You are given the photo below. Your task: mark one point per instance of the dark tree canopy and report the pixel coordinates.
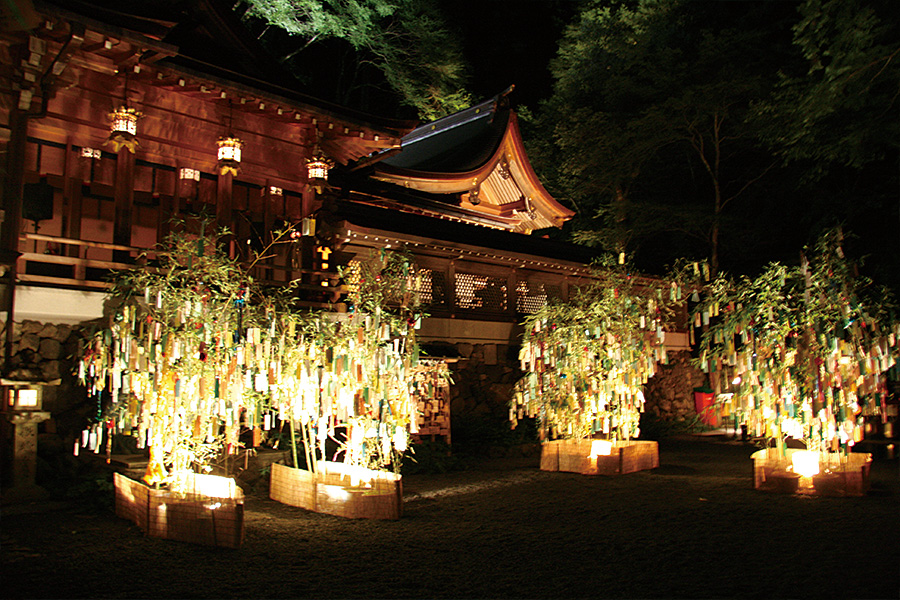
(653, 130)
(368, 55)
(844, 106)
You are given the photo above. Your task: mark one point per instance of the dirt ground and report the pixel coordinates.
(693, 528)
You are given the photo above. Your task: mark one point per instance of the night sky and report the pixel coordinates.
(510, 42)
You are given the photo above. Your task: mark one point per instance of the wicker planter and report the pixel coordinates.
(193, 516)
(574, 456)
(843, 476)
(331, 490)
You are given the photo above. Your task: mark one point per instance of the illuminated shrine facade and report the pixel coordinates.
(115, 125)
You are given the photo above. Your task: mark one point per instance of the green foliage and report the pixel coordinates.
(406, 40)
(587, 359)
(811, 345)
(647, 123)
(196, 354)
(842, 108)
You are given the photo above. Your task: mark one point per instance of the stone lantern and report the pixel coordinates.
(23, 409)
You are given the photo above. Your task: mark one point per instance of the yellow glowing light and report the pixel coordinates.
(805, 463)
(124, 120)
(230, 149)
(317, 167)
(335, 492)
(211, 486)
(24, 398)
(28, 398)
(601, 448)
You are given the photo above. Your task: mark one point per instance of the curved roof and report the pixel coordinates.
(477, 155)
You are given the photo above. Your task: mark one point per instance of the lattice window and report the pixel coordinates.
(430, 284)
(530, 297)
(352, 275)
(431, 288)
(480, 292)
(554, 292)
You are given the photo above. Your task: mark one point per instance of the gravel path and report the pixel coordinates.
(693, 528)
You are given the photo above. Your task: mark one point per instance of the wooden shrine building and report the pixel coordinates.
(224, 139)
(114, 122)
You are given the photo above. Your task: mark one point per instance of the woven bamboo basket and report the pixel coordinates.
(838, 475)
(192, 515)
(576, 456)
(339, 490)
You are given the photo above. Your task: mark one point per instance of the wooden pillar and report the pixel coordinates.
(10, 228)
(170, 208)
(72, 197)
(269, 225)
(124, 198)
(14, 179)
(224, 203)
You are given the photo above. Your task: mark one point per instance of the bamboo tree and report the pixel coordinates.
(805, 352)
(586, 360)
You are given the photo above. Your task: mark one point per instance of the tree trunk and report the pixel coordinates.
(620, 214)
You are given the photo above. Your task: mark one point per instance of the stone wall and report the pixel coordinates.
(484, 376)
(670, 393)
(46, 352)
(483, 379)
(41, 351)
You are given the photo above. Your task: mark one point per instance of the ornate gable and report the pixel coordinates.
(477, 157)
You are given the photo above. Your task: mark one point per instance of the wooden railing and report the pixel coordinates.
(66, 262)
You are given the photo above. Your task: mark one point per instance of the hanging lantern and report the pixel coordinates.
(123, 131)
(229, 154)
(317, 169)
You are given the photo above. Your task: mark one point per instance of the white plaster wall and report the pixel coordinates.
(53, 305)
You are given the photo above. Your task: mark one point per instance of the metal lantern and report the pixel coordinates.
(124, 120)
(229, 154)
(317, 169)
(230, 149)
(123, 130)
